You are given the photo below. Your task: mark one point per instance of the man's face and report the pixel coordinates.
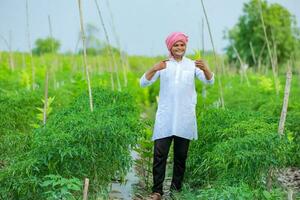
(178, 49)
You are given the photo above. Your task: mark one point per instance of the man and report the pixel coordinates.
(175, 116)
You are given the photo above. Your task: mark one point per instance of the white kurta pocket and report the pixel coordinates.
(188, 77)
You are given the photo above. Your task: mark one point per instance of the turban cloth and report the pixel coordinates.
(175, 37)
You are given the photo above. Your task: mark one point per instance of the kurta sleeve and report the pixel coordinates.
(201, 76)
(144, 82)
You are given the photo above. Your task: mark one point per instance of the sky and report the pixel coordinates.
(141, 26)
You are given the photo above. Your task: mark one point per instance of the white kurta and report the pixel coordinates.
(177, 99)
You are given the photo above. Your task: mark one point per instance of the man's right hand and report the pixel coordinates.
(157, 67)
(161, 65)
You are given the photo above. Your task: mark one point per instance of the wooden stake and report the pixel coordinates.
(9, 46)
(109, 46)
(260, 55)
(285, 100)
(11, 57)
(55, 60)
(29, 47)
(84, 56)
(122, 57)
(46, 98)
(269, 49)
(290, 194)
(253, 53)
(215, 56)
(203, 49)
(202, 36)
(23, 61)
(243, 70)
(86, 189)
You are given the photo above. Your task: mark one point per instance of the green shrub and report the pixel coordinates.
(57, 187)
(77, 143)
(225, 192)
(18, 113)
(236, 147)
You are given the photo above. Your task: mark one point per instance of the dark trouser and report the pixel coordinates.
(161, 150)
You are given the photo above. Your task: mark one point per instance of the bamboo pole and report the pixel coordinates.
(224, 66)
(9, 46)
(11, 58)
(269, 49)
(47, 78)
(203, 93)
(126, 62)
(202, 37)
(215, 57)
(50, 32)
(74, 63)
(124, 66)
(109, 63)
(23, 61)
(260, 55)
(275, 56)
(46, 98)
(122, 57)
(276, 59)
(29, 47)
(285, 100)
(109, 46)
(290, 194)
(86, 189)
(243, 70)
(84, 55)
(54, 63)
(253, 53)
(299, 75)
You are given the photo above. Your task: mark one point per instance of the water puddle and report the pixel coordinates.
(124, 191)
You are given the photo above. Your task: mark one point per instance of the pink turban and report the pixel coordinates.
(175, 37)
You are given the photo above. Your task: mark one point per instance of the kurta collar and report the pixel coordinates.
(173, 60)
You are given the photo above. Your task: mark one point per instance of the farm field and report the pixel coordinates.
(78, 125)
(237, 145)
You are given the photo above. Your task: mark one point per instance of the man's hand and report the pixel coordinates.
(161, 65)
(201, 64)
(157, 67)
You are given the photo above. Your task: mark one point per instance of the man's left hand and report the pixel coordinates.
(201, 64)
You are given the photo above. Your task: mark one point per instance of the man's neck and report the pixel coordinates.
(178, 58)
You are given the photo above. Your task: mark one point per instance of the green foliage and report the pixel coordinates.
(234, 147)
(77, 143)
(293, 125)
(144, 163)
(103, 50)
(8, 80)
(17, 113)
(281, 32)
(47, 45)
(40, 115)
(225, 192)
(197, 54)
(57, 187)
(234, 144)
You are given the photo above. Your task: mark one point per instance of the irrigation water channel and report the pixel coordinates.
(124, 191)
